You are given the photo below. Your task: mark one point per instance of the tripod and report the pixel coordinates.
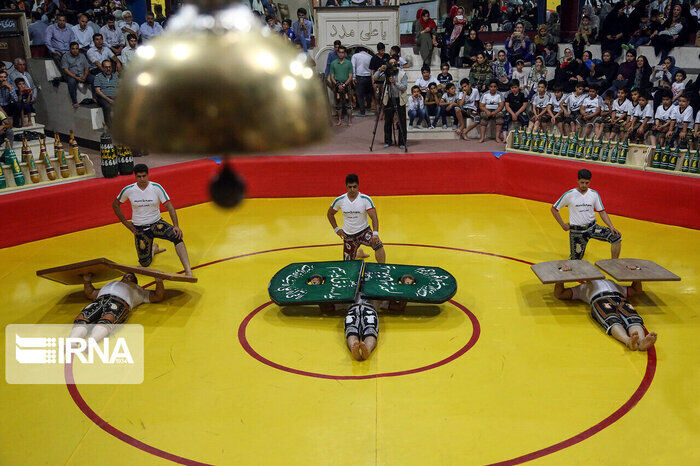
(380, 110)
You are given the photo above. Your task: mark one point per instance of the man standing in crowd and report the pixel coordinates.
(332, 56)
(394, 100)
(362, 78)
(58, 39)
(37, 30)
(76, 69)
(150, 28)
(379, 59)
(105, 89)
(341, 80)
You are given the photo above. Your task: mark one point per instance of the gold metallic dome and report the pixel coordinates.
(227, 87)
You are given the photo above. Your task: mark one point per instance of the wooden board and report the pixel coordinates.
(103, 270)
(550, 272)
(636, 269)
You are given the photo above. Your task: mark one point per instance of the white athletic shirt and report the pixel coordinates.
(573, 102)
(623, 108)
(354, 212)
(682, 117)
(491, 101)
(604, 107)
(587, 291)
(697, 119)
(643, 113)
(129, 292)
(540, 101)
(470, 100)
(423, 83)
(582, 207)
(557, 103)
(664, 114)
(590, 105)
(145, 204)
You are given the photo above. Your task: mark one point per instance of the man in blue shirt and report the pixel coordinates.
(303, 29)
(58, 39)
(333, 55)
(37, 30)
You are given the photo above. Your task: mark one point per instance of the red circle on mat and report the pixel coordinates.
(476, 331)
(614, 417)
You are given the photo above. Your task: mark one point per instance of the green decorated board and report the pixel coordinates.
(433, 284)
(341, 282)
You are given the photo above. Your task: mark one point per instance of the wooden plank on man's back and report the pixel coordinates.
(551, 272)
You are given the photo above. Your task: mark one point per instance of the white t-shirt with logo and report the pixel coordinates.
(145, 205)
(573, 102)
(643, 113)
(540, 101)
(557, 103)
(623, 108)
(590, 105)
(129, 292)
(587, 291)
(582, 207)
(685, 116)
(354, 212)
(470, 100)
(664, 114)
(491, 101)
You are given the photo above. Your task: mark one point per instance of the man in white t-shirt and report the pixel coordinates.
(356, 207)
(112, 304)
(583, 203)
(610, 308)
(146, 222)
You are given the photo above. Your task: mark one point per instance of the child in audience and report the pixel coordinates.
(634, 97)
(590, 111)
(432, 103)
(678, 86)
(450, 100)
(642, 118)
(603, 125)
(287, 32)
(396, 52)
(415, 107)
(24, 95)
(682, 122)
(491, 106)
(488, 52)
(520, 75)
(444, 77)
(572, 107)
(541, 103)
(556, 108)
(469, 101)
(425, 80)
(663, 118)
(622, 110)
(516, 108)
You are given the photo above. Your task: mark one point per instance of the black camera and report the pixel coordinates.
(391, 70)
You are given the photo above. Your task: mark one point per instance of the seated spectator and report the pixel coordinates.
(105, 88)
(569, 72)
(150, 28)
(488, 51)
(83, 33)
(593, 21)
(424, 29)
(20, 71)
(415, 107)
(583, 37)
(626, 71)
(426, 79)
(521, 76)
(444, 77)
(472, 46)
(664, 74)
(604, 73)
(672, 33)
(492, 14)
(433, 107)
(614, 31)
(287, 31)
(272, 23)
(6, 127)
(641, 35)
(98, 53)
(130, 50)
(58, 39)
(303, 29)
(76, 69)
(450, 103)
(454, 35)
(8, 99)
(481, 73)
(518, 48)
(502, 71)
(26, 108)
(538, 73)
(113, 37)
(128, 25)
(641, 79)
(37, 30)
(546, 46)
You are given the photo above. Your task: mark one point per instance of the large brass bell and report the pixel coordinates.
(219, 83)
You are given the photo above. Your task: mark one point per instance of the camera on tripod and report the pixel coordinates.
(391, 70)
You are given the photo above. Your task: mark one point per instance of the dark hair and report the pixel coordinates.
(584, 174)
(403, 277)
(682, 72)
(342, 47)
(665, 93)
(268, 18)
(624, 89)
(425, 68)
(632, 51)
(654, 12)
(644, 94)
(301, 11)
(579, 84)
(335, 42)
(464, 81)
(432, 85)
(131, 36)
(352, 178)
(445, 65)
(381, 46)
(557, 87)
(73, 43)
(415, 87)
(685, 95)
(109, 18)
(97, 34)
(493, 81)
(482, 54)
(395, 49)
(136, 280)
(542, 81)
(449, 86)
(36, 15)
(501, 52)
(140, 168)
(609, 94)
(514, 82)
(19, 80)
(289, 22)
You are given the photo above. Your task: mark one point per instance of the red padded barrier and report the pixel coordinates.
(41, 213)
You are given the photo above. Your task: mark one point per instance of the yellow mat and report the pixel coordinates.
(504, 371)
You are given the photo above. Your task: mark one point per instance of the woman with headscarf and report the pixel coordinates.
(672, 33)
(594, 20)
(614, 31)
(546, 46)
(425, 35)
(456, 34)
(604, 73)
(538, 72)
(641, 79)
(493, 13)
(518, 46)
(472, 46)
(570, 71)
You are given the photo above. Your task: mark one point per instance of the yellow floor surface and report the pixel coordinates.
(540, 373)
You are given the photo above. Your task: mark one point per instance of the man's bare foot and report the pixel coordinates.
(360, 254)
(340, 122)
(349, 123)
(157, 249)
(633, 342)
(364, 351)
(647, 341)
(356, 352)
(188, 273)
(481, 140)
